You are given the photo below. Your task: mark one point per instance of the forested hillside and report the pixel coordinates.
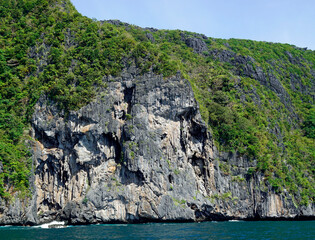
(257, 98)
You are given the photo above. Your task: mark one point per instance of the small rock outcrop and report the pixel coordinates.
(197, 44)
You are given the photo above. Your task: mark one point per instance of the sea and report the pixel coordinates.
(153, 231)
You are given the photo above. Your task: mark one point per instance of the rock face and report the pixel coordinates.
(139, 152)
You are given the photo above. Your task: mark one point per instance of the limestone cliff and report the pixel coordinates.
(139, 152)
(190, 128)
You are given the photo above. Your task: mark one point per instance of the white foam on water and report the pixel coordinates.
(55, 224)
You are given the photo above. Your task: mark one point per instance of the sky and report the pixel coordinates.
(284, 21)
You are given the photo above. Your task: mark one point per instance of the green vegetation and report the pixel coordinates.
(47, 47)
(225, 168)
(177, 202)
(238, 179)
(128, 117)
(85, 200)
(227, 196)
(309, 124)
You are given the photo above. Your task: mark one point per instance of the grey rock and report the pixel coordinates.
(116, 22)
(197, 44)
(140, 152)
(150, 37)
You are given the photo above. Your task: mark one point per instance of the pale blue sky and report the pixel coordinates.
(285, 21)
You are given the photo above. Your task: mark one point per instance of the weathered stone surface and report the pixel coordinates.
(197, 44)
(139, 152)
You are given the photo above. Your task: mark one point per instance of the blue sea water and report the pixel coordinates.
(206, 230)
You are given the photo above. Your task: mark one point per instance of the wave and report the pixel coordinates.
(53, 224)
